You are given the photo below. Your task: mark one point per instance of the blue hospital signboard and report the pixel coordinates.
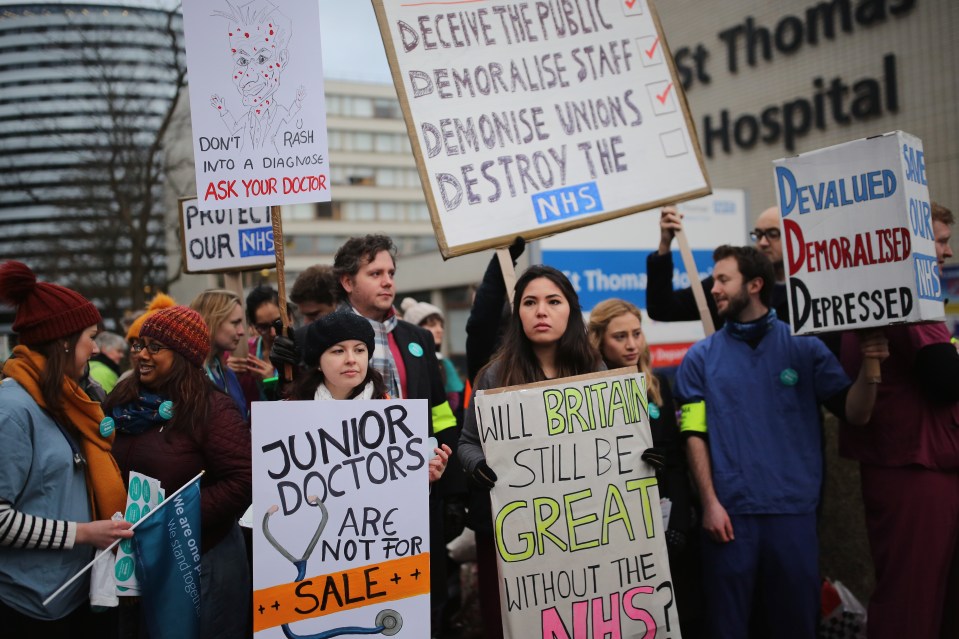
(239, 239)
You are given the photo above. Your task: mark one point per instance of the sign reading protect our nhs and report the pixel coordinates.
(857, 234)
(239, 239)
(530, 119)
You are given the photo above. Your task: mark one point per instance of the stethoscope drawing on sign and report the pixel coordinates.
(388, 622)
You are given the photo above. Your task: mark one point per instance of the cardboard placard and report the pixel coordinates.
(859, 249)
(364, 565)
(257, 103)
(225, 240)
(534, 118)
(580, 537)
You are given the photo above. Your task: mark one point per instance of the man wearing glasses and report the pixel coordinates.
(666, 305)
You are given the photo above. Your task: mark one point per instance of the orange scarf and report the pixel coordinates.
(104, 482)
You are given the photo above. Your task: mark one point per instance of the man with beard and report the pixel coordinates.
(750, 395)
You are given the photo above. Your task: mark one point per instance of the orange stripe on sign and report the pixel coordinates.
(353, 588)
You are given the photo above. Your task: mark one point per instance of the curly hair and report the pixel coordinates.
(315, 284)
(357, 250)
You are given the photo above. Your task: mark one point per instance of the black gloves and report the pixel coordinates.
(516, 249)
(484, 475)
(284, 351)
(655, 457)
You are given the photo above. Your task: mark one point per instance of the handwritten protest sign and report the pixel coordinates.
(860, 250)
(225, 239)
(341, 517)
(579, 533)
(531, 118)
(256, 102)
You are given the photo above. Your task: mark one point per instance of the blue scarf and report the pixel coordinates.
(752, 332)
(139, 415)
(226, 381)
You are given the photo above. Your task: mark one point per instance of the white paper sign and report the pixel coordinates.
(580, 538)
(857, 232)
(238, 239)
(257, 102)
(144, 495)
(534, 118)
(365, 564)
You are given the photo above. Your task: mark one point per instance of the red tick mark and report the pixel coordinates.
(630, 3)
(652, 49)
(662, 98)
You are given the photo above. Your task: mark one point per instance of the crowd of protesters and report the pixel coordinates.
(737, 442)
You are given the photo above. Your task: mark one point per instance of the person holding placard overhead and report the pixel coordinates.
(909, 467)
(59, 485)
(750, 396)
(222, 312)
(172, 423)
(615, 329)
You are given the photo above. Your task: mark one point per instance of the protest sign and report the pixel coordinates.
(221, 240)
(534, 118)
(579, 533)
(857, 233)
(341, 518)
(144, 494)
(609, 260)
(257, 104)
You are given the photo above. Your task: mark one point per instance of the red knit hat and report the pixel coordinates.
(45, 311)
(182, 329)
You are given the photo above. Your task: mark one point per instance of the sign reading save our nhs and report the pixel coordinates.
(533, 119)
(857, 229)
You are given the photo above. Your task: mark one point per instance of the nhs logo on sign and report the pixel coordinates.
(256, 241)
(559, 204)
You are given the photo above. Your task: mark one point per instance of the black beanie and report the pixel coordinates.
(335, 328)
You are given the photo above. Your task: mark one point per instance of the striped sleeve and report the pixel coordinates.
(19, 530)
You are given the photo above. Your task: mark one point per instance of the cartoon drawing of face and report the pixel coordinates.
(258, 36)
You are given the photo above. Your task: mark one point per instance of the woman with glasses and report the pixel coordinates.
(171, 423)
(59, 486)
(257, 376)
(222, 312)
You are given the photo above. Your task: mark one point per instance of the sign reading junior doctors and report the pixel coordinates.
(857, 227)
(534, 118)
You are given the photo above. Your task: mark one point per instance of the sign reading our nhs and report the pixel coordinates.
(239, 239)
(609, 259)
(857, 231)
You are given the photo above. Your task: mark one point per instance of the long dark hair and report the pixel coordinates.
(61, 357)
(187, 386)
(574, 353)
(305, 387)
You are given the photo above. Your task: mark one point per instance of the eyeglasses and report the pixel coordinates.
(770, 234)
(264, 327)
(153, 347)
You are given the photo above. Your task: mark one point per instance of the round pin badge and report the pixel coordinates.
(415, 349)
(653, 411)
(166, 410)
(107, 426)
(789, 377)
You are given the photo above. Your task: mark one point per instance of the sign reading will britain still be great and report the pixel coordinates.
(857, 227)
(532, 118)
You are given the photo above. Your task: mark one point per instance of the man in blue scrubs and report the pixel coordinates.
(750, 395)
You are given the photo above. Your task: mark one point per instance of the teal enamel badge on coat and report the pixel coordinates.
(166, 410)
(107, 426)
(653, 411)
(415, 349)
(789, 377)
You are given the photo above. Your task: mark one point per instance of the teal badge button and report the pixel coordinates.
(166, 410)
(789, 377)
(107, 426)
(415, 349)
(653, 411)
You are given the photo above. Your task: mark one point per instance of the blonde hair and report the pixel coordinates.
(599, 319)
(215, 306)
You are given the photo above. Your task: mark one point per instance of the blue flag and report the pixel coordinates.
(167, 550)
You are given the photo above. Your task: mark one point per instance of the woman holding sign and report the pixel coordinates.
(172, 423)
(615, 329)
(338, 351)
(59, 486)
(545, 338)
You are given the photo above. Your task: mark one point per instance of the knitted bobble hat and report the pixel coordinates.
(182, 330)
(45, 311)
(158, 303)
(415, 312)
(335, 328)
